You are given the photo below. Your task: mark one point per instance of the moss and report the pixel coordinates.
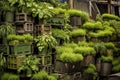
(106, 58)
(78, 32)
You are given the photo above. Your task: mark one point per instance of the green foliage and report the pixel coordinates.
(19, 39)
(29, 65)
(106, 58)
(109, 45)
(42, 75)
(104, 33)
(82, 14)
(91, 70)
(71, 57)
(110, 17)
(9, 76)
(2, 60)
(71, 45)
(78, 32)
(116, 64)
(60, 34)
(59, 10)
(84, 50)
(62, 49)
(100, 48)
(83, 43)
(45, 42)
(5, 30)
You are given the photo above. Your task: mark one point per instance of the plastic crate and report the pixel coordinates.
(15, 61)
(42, 29)
(19, 49)
(24, 27)
(23, 17)
(45, 59)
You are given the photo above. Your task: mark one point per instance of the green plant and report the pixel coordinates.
(110, 17)
(106, 58)
(109, 45)
(62, 49)
(75, 12)
(45, 42)
(5, 30)
(116, 64)
(19, 39)
(9, 76)
(91, 70)
(84, 50)
(78, 32)
(71, 57)
(60, 34)
(43, 75)
(71, 45)
(29, 66)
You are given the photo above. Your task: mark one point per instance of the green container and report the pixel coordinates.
(19, 49)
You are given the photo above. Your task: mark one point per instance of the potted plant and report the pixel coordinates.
(106, 65)
(87, 52)
(19, 44)
(60, 35)
(78, 35)
(72, 59)
(90, 72)
(29, 66)
(45, 43)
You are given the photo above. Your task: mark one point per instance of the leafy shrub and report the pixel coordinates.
(78, 32)
(116, 64)
(106, 58)
(84, 50)
(71, 45)
(109, 45)
(9, 76)
(71, 57)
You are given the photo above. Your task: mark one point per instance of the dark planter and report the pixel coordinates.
(106, 68)
(79, 38)
(9, 16)
(88, 77)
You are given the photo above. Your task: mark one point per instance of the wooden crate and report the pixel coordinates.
(14, 61)
(23, 17)
(42, 29)
(45, 60)
(24, 27)
(19, 49)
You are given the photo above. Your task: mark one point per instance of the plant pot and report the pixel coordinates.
(106, 68)
(98, 65)
(88, 77)
(79, 38)
(75, 21)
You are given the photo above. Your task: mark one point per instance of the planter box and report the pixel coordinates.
(42, 29)
(19, 49)
(45, 60)
(14, 61)
(23, 17)
(62, 67)
(24, 27)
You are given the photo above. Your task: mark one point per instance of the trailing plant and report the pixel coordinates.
(110, 17)
(71, 57)
(78, 32)
(84, 50)
(61, 34)
(29, 66)
(45, 42)
(106, 58)
(91, 70)
(5, 30)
